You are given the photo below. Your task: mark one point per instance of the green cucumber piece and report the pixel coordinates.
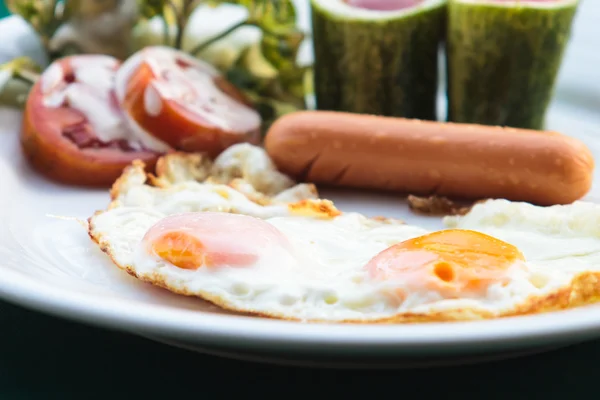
(377, 62)
(503, 59)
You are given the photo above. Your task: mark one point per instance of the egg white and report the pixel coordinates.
(325, 280)
(194, 197)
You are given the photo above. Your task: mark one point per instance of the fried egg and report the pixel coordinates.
(352, 268)
(297, 257)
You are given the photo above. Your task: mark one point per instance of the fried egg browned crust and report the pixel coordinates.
(296, 257)
(235, 168)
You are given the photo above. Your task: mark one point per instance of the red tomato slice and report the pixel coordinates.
(73, 131)
(184, 102)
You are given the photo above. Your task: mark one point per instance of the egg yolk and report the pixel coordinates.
(210, 239)
(185, 251)
(453, 262)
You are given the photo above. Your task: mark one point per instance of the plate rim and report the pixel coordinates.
(576, 324)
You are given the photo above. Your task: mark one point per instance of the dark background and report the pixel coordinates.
(42, 357)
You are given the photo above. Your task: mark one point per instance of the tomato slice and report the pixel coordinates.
(73, 131)
(184, 102)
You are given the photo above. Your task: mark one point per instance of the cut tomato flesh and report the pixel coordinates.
(59, 139)
(184, 102)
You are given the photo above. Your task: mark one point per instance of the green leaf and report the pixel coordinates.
(40, 14)
(90, 8)
(273, 15)
(214, 3)
(282, 50)
(14, 93)
(70, 8)
(27, 9)
(254, 61)
(22, 67)
(189, 6)
(16, 79)
(269, 70)
(182, 8)
(151, 8)
(274, 92)
(270, 109)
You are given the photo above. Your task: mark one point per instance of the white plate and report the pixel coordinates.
(50, 265)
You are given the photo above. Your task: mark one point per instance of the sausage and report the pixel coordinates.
(73, 131)
(184, 102)
(462, 161)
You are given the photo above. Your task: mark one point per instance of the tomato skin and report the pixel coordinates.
(176, 125)
(58, 158)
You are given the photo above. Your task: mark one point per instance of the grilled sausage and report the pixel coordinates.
(427, 157)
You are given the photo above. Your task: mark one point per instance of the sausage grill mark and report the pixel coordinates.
(339, 177)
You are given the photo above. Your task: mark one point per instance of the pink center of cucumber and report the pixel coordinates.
(383, 5)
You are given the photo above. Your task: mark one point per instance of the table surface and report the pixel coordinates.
(42, 357)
